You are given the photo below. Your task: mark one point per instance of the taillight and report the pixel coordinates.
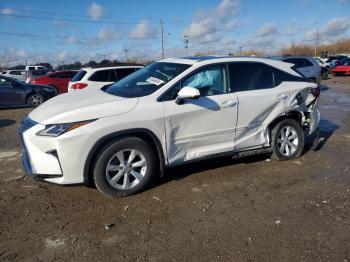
(316, 91)
(79, 85)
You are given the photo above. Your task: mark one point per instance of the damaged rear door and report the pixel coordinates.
(261, 99)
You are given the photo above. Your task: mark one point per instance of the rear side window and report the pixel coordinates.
(250, 76)
(101, 76)
(123, 72)
(281, 76)
(299, 62)
(17, 73)
(79, 76)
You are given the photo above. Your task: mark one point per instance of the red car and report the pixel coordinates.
(342, 70)
(58, 80)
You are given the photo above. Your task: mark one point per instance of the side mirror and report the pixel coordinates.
(187, 92)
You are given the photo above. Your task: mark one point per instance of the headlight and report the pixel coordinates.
(59, 129)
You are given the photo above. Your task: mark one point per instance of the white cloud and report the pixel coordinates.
(7, 11)
(344, 1)
(207, 24)
(63, 55)
(267, 30)
(107, 33)
(95, 11)
(337, 27)
(143, 30)
(71, 40)
(22, 53)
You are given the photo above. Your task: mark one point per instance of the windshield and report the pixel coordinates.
(146, 80)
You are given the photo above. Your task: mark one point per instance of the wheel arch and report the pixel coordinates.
(145, 134)
(296, 115)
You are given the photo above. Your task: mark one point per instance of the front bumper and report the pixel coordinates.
(58, 160)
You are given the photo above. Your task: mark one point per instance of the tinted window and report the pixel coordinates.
(121, 73)
(71, 74)
(100, 76)
(55, 75)
(113, 76)
(281, 76)
(79, 76)
(307, 63)
(15, 73)
(31, 68)
(250, 76)
(4, 82)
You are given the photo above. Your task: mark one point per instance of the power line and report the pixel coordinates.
(78, 38)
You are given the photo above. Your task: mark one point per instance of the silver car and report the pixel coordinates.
(307, 66)
(17, 74)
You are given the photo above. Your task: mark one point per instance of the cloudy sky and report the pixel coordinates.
(58, 31)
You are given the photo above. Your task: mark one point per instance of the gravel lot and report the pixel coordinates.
(250, 209)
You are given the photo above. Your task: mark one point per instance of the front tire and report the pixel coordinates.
(35, 100)
(125, 167)
(287, 139)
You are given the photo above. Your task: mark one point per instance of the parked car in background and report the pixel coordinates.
(99, 77)
(169, 113)
(334, 60)
(321, 63)
(58, 80)
(343, 61)
(15, 93)
(307, 66)
(342, 70)
(35, 74)
(35, 67)
(324, 73)
(17, 74)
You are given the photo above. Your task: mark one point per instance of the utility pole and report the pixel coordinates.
(162, 36)
(317, 40)
(126, 54)
(104, 57)
(240, 51)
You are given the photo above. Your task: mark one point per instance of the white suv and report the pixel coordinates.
(99, 77)
(169, 113)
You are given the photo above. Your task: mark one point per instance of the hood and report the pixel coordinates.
(81, 105)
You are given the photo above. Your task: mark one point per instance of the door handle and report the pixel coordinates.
(229, 103)
(282, 97)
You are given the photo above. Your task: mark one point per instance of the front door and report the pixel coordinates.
(204, 126)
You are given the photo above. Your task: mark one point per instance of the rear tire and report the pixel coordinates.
(125, 167)
(287, 139)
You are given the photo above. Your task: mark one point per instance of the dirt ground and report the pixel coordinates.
(250, 209)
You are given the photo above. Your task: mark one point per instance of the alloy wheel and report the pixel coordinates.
(287, 140)
(126, 169)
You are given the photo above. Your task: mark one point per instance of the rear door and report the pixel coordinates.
(260, 100)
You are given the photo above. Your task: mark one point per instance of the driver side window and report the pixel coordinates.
(210, 80)
(4, 82)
